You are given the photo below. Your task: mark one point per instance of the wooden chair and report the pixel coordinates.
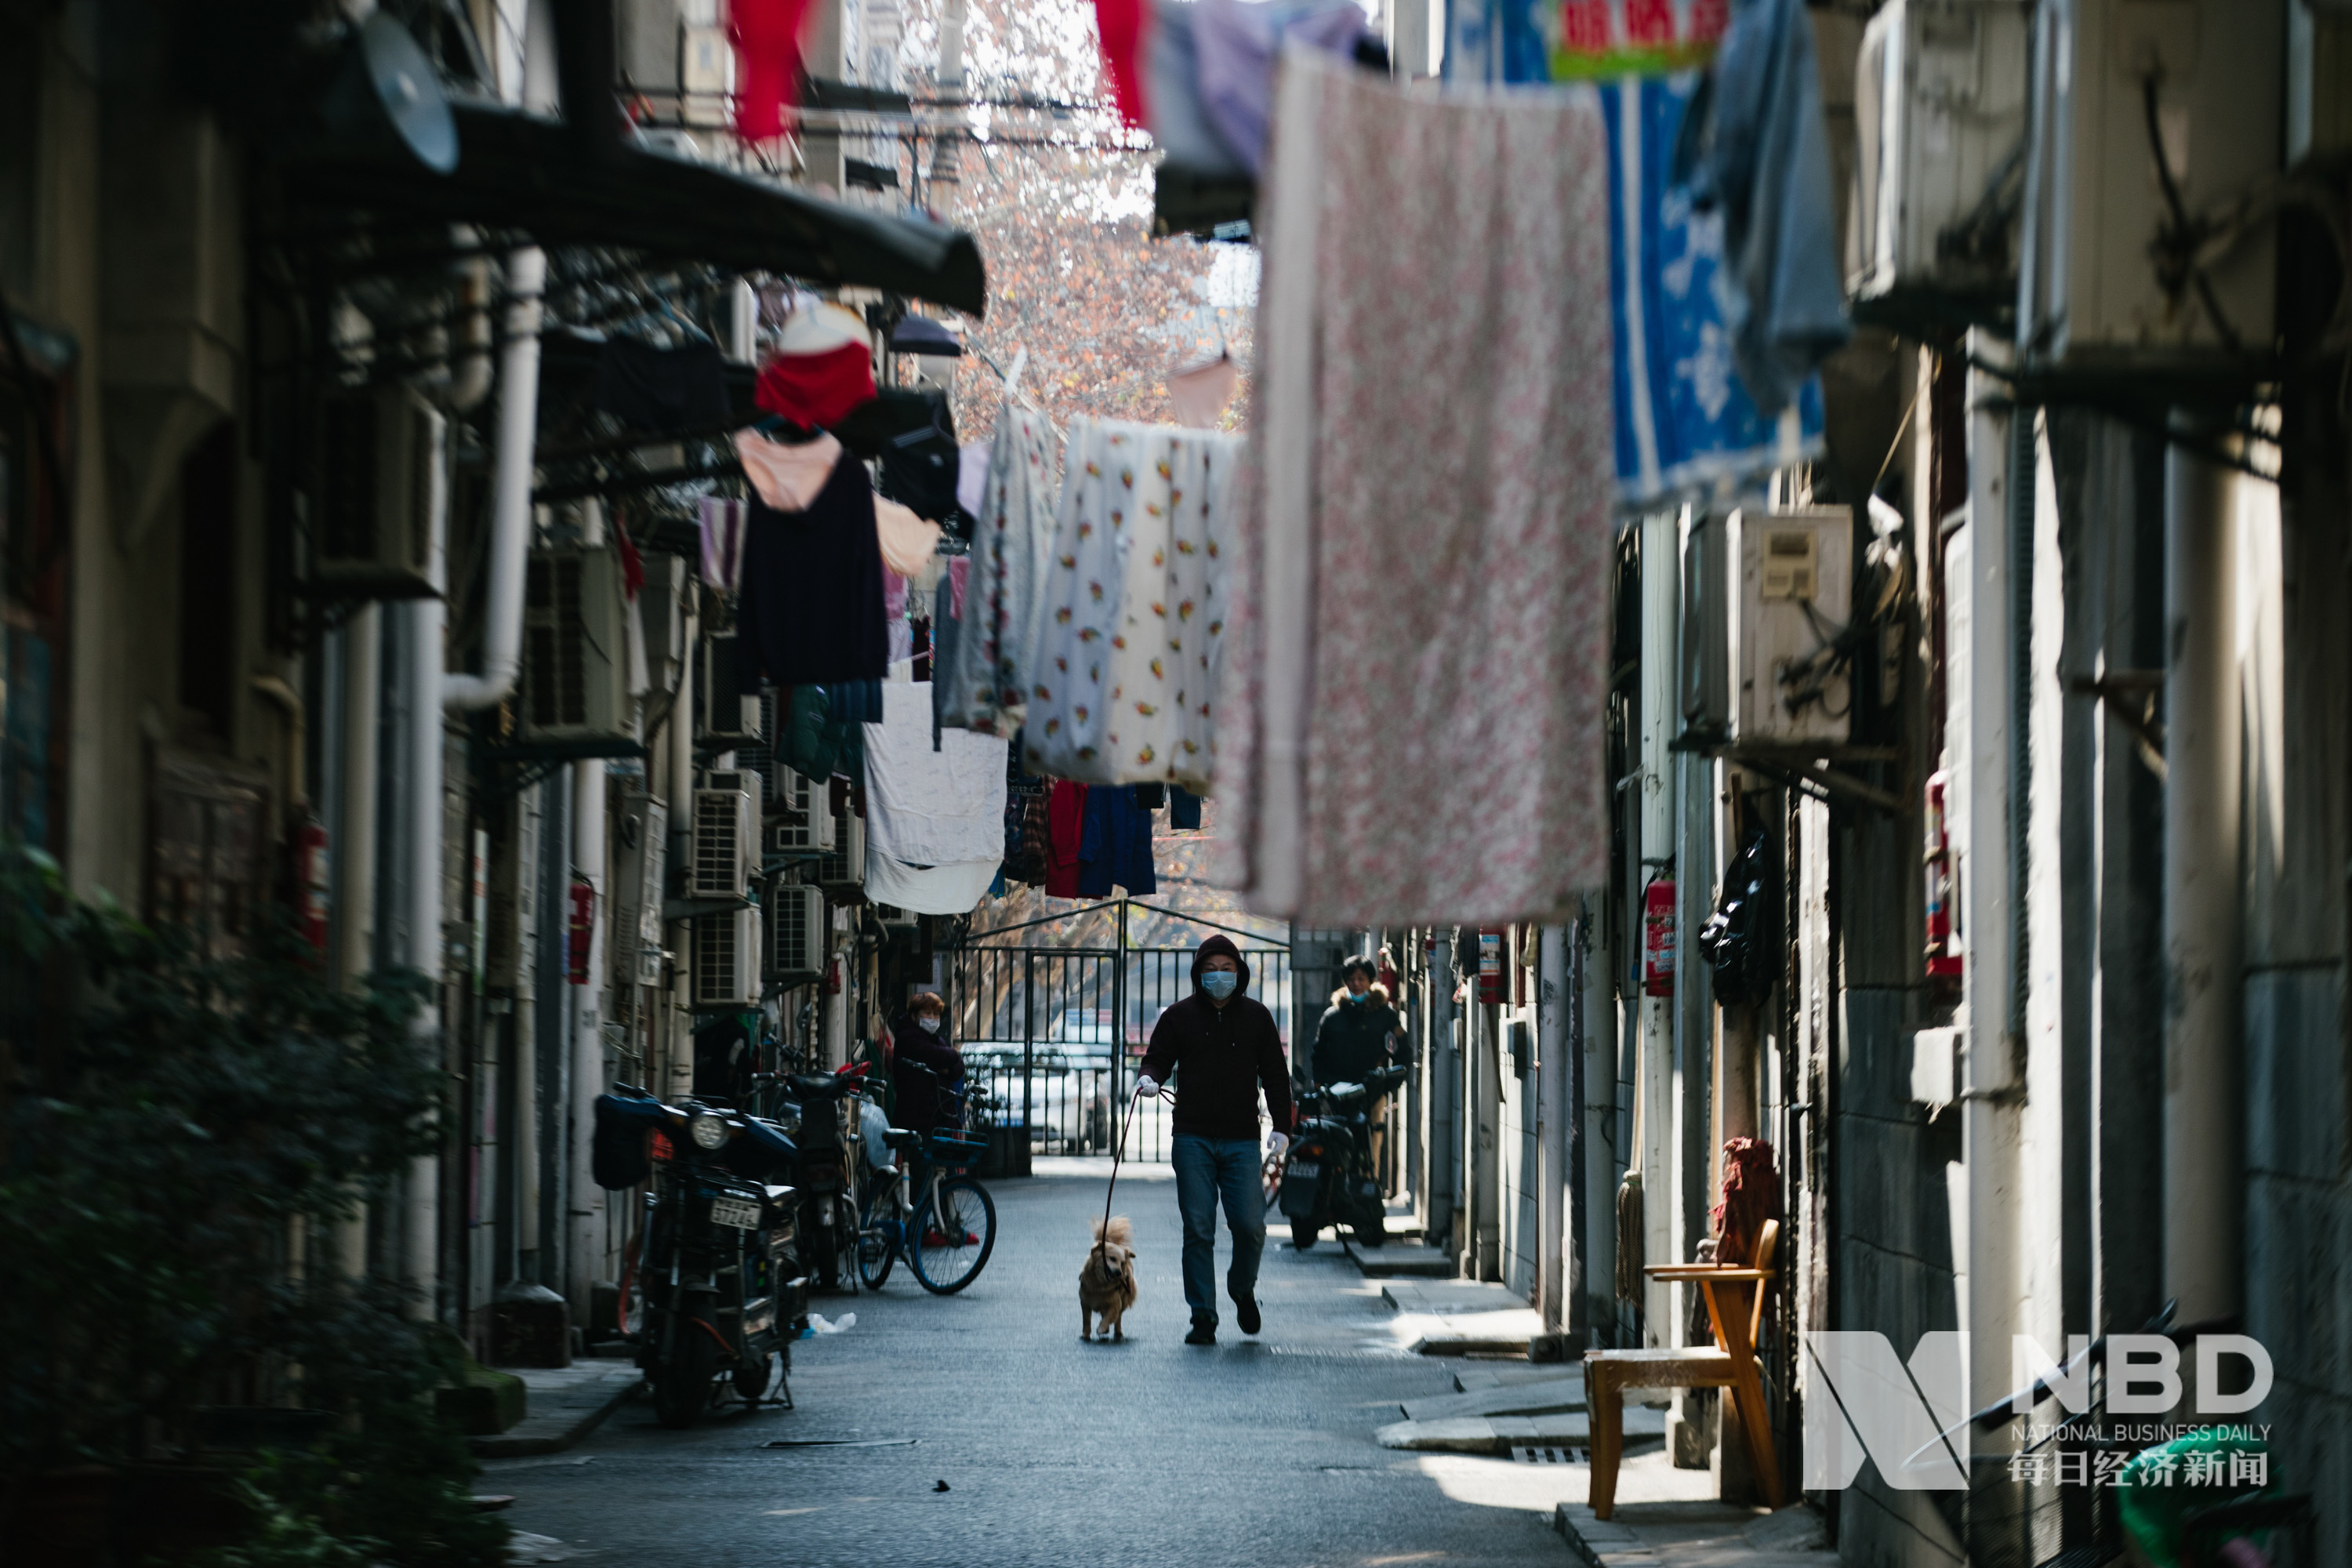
(1729, 1364)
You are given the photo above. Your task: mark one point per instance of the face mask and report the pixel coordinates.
(1220, 983)
(930, 1026)
(1360, 996)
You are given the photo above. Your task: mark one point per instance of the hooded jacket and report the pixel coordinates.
(1353, 1038)
(1220, 1057)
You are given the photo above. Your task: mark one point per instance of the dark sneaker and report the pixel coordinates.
(1203, 1333)
(1246, 1314)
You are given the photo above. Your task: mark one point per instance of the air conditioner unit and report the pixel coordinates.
(381, 481)
(2090, 298)
(796, 933)
(726, 959)
(575, 651)
(725, 713)
(661, 612)
(640, 857)
(1939, 110)
(726, 836)
(896, 918)
(801, 812)
(758, 757)
(844, 864)
(1796, 584)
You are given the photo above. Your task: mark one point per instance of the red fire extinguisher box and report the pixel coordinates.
(1490, 965)
(1658, 938)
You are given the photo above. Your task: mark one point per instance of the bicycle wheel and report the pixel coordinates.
(951, 1235)
(877, 1246)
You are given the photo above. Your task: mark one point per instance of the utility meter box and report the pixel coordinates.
(1794, 599)
(1940, 118)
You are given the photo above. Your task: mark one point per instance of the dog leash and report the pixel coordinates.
(1117, 1153)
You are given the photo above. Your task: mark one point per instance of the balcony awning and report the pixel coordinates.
(517, 171)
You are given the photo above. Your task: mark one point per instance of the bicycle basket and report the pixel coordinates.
(957, 1150)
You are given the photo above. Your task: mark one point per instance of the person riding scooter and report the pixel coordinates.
(1358, 1035)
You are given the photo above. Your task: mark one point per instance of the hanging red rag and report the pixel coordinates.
(1122, 24)
(816, 390)
(767, 63)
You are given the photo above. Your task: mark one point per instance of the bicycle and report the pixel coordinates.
(944, 1222)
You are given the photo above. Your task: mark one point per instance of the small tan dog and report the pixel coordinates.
(1106, 1284)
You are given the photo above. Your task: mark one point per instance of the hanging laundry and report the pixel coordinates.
(946, 644)
(954, 889)
(926, 807)
(1238, 41)
(817, 743)
(988, 686)
(854, 701)
(648, 388)
(1116, 849)
(1199, 392)
(1761, 154)
(1066, 825)
(894, 608)
(1133, 613)
(971, 476)
(721, 522)
(1464, 236)
(786, 475)
(767, 62)
(811, 602)
(908, 541)
(1177, 120)
(1028, 831)
(1183, 809)
(823, 369)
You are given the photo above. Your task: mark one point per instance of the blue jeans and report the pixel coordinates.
(1207, 1168)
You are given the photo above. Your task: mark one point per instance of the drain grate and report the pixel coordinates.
(1551, 1455)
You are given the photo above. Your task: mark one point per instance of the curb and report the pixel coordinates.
(564, 1424)
(1599, 1543)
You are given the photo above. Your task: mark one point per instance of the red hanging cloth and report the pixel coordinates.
(767, 34)
(1121, 24)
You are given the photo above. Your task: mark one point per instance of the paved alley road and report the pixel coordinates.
(1253, 1452)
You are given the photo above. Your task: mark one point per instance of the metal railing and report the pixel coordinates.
(1057, 1034)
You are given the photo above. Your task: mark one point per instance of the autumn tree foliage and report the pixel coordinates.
(1059, 196)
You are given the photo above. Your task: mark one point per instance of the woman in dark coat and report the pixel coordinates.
(919, 1041)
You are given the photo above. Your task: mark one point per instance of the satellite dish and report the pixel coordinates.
(388, 91)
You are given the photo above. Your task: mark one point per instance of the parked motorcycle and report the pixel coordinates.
(1330, 1179)
(821, 1117)
(715, 1280)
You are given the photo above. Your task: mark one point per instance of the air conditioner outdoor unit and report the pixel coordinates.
(796, 933)
(1939, 113)
(725, 713)
(844, 864)
(1796, 584)
(2090, 296)
(801, 812)
(381, 481)
(726, 959)
(575, 652)
(726, 836)
(895, 917)
(640, 857)
(758, 757)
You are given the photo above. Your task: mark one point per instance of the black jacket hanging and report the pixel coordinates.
(1741, 940)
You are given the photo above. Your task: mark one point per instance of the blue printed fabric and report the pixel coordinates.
(1684, 422)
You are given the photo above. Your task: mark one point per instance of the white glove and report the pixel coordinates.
(1146, 1086)
(1280, 1141)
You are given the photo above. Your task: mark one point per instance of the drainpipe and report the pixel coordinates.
(511, 500)
(2204, 1172)
(355, 863)
(1999, 466)
(424, 801)
(1552, 1038)
(681, 821)
(586, 1207)
(1444, 1070)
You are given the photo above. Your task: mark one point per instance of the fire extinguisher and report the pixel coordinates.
(1945, 961)
(1658, 937)
(1490, 965)
(582, 926)
(312, 891)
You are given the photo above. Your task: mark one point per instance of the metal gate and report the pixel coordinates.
(1056, 1034)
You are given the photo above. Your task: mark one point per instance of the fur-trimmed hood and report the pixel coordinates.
(1379, 992)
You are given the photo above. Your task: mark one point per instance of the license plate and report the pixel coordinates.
(1307, 1169)
(736, 1212)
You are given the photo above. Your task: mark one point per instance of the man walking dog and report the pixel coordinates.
(1221, 1048)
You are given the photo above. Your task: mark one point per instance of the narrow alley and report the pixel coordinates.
(1257, 1452)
